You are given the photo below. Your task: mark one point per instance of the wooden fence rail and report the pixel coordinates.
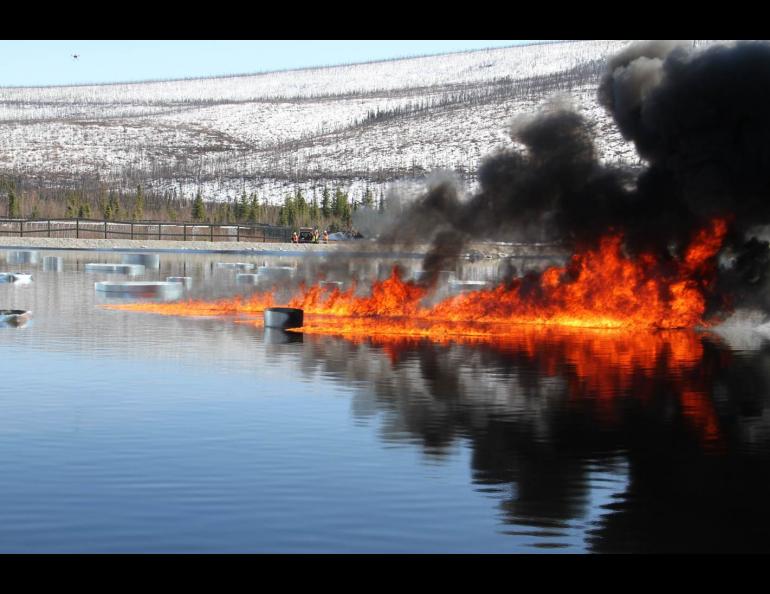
(102, 229)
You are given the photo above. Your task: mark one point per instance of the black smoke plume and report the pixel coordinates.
(700, 119)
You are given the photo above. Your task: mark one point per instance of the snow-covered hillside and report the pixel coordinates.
(354, 125)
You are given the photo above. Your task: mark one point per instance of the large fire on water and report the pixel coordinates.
(598, 288)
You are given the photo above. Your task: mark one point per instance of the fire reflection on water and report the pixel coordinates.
(601, 368)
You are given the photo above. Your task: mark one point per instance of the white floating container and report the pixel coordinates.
(146, 260)
(131, 269)
(185, 280)
(141, 288)
(236, 265)
(246, 278)
(53, 263)
(15, 277)
(14, 317)
(22, 257)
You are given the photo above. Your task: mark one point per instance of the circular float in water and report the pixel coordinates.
(141, 288)
(130, 269)
(283, 317)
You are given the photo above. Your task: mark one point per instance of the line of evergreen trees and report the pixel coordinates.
(334, 210)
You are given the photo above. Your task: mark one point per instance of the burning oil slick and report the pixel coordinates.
(607, 290)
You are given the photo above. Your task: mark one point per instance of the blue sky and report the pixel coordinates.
(32, 63)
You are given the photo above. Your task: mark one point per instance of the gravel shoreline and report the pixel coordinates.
(475, 250)
(52, 243)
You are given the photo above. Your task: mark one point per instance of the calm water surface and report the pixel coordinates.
(130, 432)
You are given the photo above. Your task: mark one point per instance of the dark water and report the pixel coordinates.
(130, 432)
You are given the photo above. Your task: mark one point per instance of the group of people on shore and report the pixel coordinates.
(314, 238)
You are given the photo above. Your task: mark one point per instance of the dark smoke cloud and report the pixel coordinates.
(700, 120)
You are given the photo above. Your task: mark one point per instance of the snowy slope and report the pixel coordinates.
(358, 125)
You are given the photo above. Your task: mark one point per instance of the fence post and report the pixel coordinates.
(49, 227)
(77, 228)
(159, 228)
(184, 232)
(132, 230)
(105, 228)
(237, 233)
(211, 230)
(21, 228)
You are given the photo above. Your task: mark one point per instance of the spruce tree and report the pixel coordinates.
(335, 202)
(341, 206)
(14, 204)
(326, 207)
(242, 208)
(72, 205)
(289, 211)
(114, 205)
(314, 210)
(198, 210)
(254, 214)
(300, 208)
(139, 204)
(368, 200)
